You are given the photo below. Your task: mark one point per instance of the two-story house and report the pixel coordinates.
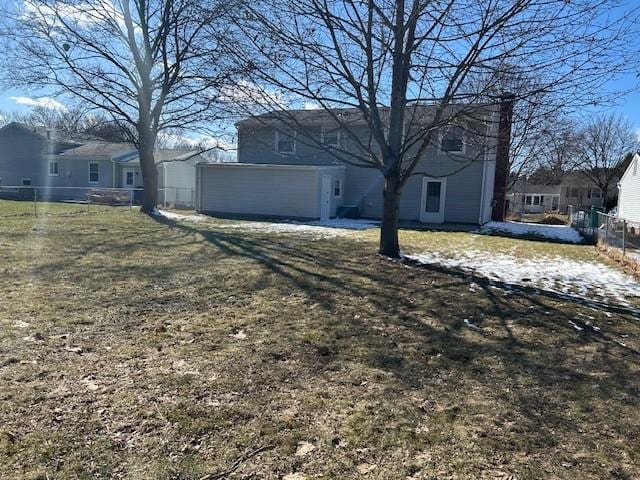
(281, 173)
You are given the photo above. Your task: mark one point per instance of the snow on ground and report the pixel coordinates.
(588, 280)
(317, 229)
(557, 232)
(180, 216)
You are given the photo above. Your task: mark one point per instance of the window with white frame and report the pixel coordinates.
(337, 187)
(285, 141)
(534, 200)
(331, 137)
(53, 168)
(452, 139)
(94, 172)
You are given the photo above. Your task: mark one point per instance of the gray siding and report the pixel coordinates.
(72, 181)
(364, 185)
(259, 191)
(20, 156)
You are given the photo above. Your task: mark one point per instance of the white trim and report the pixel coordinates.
(432, 217)
(463, 126)
(482, 187)
(275, 166)
(333, 187)
(126, 170)
(57, 168)
(323, 133)
(89, 172)
(326, 181)
(293, 137)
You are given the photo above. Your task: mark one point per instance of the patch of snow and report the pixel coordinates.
(589, 280)
(179, 216)
(470, 324)
(576, 326)
(239, 335)
(562, 233)
(317, 229)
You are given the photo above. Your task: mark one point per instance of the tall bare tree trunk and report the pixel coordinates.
(389, 244)
(149, 172)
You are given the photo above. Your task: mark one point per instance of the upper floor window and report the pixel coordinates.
(331, 137)
(94, 172)
(286, 141)
(452, 139)
(53, 168)
(594, 193)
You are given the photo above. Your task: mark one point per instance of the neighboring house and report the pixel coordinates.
(279, 174)
(21, 151)
(575, 189)
(71, 169)
(529, 198)
(629, 192)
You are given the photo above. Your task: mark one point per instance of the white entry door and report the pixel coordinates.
(128, 177)
(433, 195)
(325, 197)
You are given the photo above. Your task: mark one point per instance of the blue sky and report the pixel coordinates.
(627, 105)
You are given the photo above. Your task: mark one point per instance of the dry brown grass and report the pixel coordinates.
(136, 349)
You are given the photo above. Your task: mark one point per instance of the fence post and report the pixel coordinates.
(130, 201)
(88, 200)
(606, 231)
(35, 202)
(624, 237)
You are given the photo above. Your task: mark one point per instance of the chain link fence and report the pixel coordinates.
(34, 200)
(616, 235)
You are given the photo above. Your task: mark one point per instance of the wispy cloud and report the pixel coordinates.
(46, 102)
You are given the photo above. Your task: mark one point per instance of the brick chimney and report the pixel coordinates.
(502, 158)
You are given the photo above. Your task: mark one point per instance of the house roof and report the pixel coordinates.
(635, 160)
(166, 155)
(100, 149)
(52, 137)
(346, 115)
(41, 131)
(522, 186)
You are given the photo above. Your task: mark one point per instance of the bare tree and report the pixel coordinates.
(150, 65)
(388, 59)
(603, 144)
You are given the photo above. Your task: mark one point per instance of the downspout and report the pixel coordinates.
(198, 188)
(482, 193)
(485, 158)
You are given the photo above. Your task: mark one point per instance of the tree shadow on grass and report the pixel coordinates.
(380, 332)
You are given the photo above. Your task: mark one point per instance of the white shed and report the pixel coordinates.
(269, 191)
(629, 192)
